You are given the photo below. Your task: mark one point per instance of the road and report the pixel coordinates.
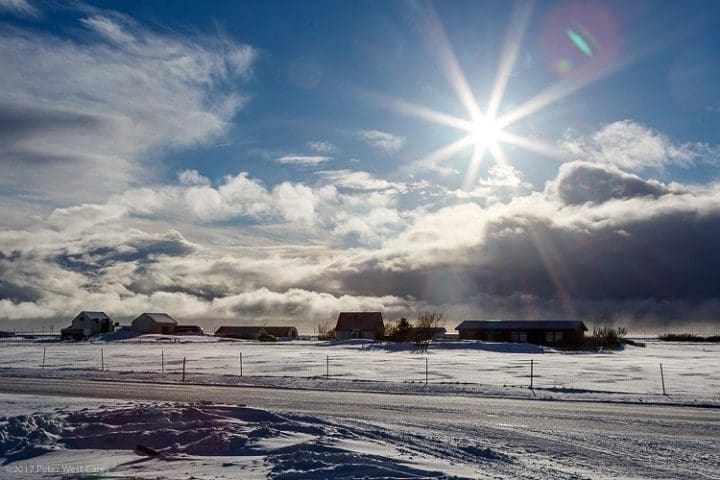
(547, 439)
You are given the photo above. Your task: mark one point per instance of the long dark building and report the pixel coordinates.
(245, 332)
(539, 332)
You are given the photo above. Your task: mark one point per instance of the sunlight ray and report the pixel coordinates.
(513, 41)
(433, 159)
(474, 167)
(429, 114)
(448, 63)
(498, 154)
(554, 94)
(552, 262)
(532, 144)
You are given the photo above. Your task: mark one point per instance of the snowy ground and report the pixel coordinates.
(198, 441)
(351, 435)
(690, 369)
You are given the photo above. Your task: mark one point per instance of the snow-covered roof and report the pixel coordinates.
(161, 318)
(521, 325)
(359, 321)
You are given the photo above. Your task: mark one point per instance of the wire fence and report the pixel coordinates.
(691, 374)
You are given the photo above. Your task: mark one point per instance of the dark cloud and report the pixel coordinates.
(141, 251)
(20, 123)
(18, 293)
(645, 260)
(581, 182)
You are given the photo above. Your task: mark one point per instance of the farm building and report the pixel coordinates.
(154, 323)
(539, 332)
(189, 330)
(87, 324)
(253, 332)
(360, 325)
(434, 333)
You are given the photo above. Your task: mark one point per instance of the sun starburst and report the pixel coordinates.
(486, 131)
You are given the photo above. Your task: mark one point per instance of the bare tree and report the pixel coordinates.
(325, 332)
(425, 328)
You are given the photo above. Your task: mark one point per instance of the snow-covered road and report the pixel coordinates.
(466, 436)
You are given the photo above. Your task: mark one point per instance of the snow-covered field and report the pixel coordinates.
(690, 369)
(341, 434)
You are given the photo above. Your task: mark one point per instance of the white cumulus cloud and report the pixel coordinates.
(633, 146)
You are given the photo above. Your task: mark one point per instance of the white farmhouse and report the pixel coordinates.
(154, 323)
(87, 324)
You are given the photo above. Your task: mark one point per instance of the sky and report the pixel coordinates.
(279, 162)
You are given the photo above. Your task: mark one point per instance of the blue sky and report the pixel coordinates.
(280, 158)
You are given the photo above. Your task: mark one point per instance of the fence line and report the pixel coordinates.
(536, 374)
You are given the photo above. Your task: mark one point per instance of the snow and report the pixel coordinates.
(409, 437)
(203, 441)
(497, 369)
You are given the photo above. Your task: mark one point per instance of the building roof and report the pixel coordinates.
(359, 321)
(521, 325)
(249, 329)
(94, 315)
(160, 318)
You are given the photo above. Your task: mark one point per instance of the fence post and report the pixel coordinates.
(241, 365)
(162, 361)
(532, 372)
(426, 370)
(183, 375)
(327, 367)
(662, 379)
(102, 360)
(43, 365)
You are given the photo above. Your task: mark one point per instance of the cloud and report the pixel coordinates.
(358, 180)
(21, 8)
(321, 147)
(632, 146)
(193, 178)
(625, 258)
(502, 183)
(383, 141)
(109, 29)
(126, 271)
(581, 182)
(304, 160)
(119, 94)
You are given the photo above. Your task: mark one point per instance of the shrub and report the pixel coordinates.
(426, 322)
(608, 338)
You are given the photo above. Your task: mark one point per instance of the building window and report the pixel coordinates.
(518, 337)
(553, 337)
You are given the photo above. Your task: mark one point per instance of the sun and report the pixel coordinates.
(484, 131)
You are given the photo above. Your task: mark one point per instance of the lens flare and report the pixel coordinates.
(579, 42)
